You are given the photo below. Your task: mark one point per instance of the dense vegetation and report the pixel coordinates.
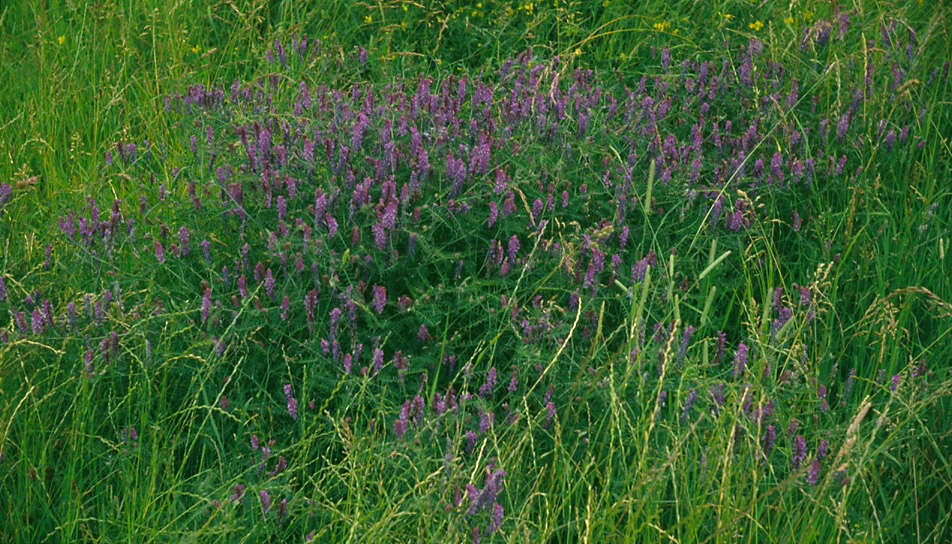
(542, 272)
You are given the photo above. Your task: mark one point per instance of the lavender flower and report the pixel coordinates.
(282, 509)
(890, 139)
(769, 439)
(206, 304)
(716, 210)
(536, 210)
(716, 393)
(402, 421)
(740, 360)
(894, 382)
(813, 472)
(688, 404)
(493, 213)
(380, 298)
(285, 308)
(237, 493)
(5, 192)
(549, 412)
(486, 420)
(265, 500)
(37, 322)
(799, 452)
(685, 341)
(184, 240)
(159, 253)
(377, 360)
(496, 521)
(491, 380)
(822, 449)
(842, 126)
(513, 248)
(269, 283)
(292, 402)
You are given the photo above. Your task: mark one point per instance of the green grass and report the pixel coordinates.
(616, 463)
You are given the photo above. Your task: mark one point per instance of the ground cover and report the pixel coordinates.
(500, 272)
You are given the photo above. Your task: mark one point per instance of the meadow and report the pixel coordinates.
(559, 271)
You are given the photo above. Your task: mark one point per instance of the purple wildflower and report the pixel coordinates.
(237, 493)
(380, 298)
(842, 126)
(536, 209)
(5, 192)
(685, 341)
(36, 321)
(493, 213)
(206, 304)
(890, 139)
(799, 452)
(716, 393)
(491, 380)
(378, 360)
(362, 56)
(486, 420)
(894, 382)
(292, 402)
(822, 449)
(285, 308)
(716, 210)
(282, 509)
(242, 286)
(269, 283)
(688, 404)
(813, 472)
(769, 438)
(513, 248)
(265, 500)
(184, 240)
(403, 420)
(740, 360)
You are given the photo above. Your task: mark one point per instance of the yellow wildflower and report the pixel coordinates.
(368, 19)
(755, 26)
(61, 39)
(789, 20)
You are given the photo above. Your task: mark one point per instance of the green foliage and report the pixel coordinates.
(151, 440)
